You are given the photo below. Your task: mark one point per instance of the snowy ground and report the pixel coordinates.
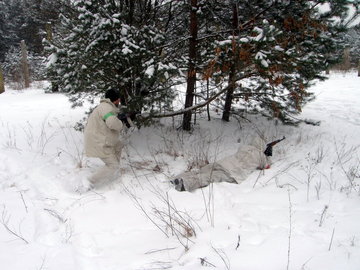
(303, 213)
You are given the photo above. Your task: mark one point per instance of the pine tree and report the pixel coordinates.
(351, 41)
(263, 54)
(2, 31)
(5, 34)
(22, 20)
(281, 47)
(113, 44)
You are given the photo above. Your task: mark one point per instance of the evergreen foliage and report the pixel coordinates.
(280, 48)
(24, 20)
(274, 54)
(18, 23)
(111, 44)
(12, 67)
(5, 34)
(351, 40)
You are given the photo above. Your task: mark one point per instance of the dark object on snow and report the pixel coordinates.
(124, 117)
(269, 146)
(312, 122)
(179, 184)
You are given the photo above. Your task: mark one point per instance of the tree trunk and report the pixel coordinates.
(229, 96)
(2, 84)
(347, 62)
(207, 97)
(49, 33)
(25, 65)
(230, 92)
(191, 77)
(359, 68)
(131, 11)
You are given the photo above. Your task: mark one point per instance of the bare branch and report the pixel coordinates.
(197, 106)
(223, 257)
(23, 200)
(331, 240)
(5, 218)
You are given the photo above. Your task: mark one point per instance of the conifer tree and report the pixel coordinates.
(267, 52)
(351, 40)
(281, 47)
(24, 20)
(5, 34)
(113, 44)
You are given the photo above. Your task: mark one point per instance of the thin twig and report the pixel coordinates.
(22, 198)
(5, 222)
(261, 172)
(238, 243)
(323, 214)
(223, 257)
(141, 207)
(42, 263)
(159, 250)
(290, 230)
(56, 215)
(332, 237)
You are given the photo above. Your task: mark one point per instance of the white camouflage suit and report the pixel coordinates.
(102, 140)
(232, 169)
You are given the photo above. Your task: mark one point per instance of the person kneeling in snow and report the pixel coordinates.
(233, 169)
(102, 137)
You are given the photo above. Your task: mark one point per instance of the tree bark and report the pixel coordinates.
(49, 34)
(207, 97)
(2, 84)
(230, 92)
(229, 96)
(191, 77)
(347, 62)
(359, 68)
(25, 65)
(131, 11)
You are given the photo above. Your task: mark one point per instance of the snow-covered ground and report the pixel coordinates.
(303, 213)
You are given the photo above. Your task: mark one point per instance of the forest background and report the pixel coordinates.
(258, 56)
